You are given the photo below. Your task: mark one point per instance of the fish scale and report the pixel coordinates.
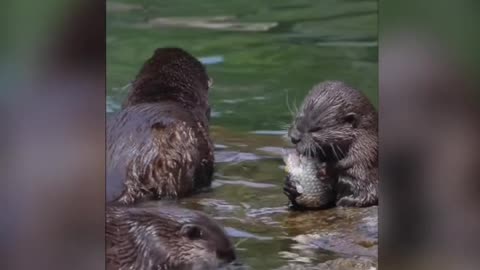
(315, 191)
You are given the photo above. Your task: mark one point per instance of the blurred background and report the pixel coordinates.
(264, 57)
(52, 101)
(429, 130)
(52, 111)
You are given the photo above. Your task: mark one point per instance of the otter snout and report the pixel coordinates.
(295, 135)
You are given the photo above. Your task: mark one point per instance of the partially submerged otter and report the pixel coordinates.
(158, 145)
(167, 238)
(337, 124)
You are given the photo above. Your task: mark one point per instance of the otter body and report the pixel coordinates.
(338, 125)
(158, 145)
(166, 238)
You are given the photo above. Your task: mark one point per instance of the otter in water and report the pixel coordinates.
(167, 238)
(158, 145)
(337, 125)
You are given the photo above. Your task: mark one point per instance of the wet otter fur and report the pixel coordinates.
(158, 145)
(167, 238)
(337, 124)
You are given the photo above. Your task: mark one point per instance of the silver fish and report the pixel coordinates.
(308, 177)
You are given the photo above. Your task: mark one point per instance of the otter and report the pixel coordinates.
(167, 238)
(338, 126)
(158, 145)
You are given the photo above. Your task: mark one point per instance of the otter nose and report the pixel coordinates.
(295, 136)
(295, 140)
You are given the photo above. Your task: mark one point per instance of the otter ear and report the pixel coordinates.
(352, 119)
(191, 231)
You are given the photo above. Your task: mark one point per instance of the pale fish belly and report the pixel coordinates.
(314, 192)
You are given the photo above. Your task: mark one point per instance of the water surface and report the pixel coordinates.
(263, 56)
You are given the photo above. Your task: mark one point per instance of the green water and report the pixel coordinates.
(291, 45)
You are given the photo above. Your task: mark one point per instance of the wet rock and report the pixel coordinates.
(340, 243)
(346, 233)
(336, 264)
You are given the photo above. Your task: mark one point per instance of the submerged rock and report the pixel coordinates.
(337, 264)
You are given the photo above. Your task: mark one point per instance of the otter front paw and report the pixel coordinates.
(290, 190)
(343, 165)
(350, 201)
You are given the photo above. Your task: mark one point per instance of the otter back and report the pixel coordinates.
(157, 149)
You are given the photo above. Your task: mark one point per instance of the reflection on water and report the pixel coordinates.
(257, 52)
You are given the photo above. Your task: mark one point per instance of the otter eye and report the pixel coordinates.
(351, 118)
(192, 232)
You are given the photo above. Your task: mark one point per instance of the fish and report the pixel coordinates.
(309, 183)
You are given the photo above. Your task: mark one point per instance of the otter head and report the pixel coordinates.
(330, 119)
(205, 244)
(171, 74)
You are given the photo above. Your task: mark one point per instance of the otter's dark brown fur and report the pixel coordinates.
(158, 145)
(166, 238)
(339, 125)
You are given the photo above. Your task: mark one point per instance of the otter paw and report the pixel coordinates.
(349, 201)
(290, 190)
(292, 205)
(343, 165)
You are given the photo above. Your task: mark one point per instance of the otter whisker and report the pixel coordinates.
(240, 242)
(309, 148)
(317, 145)
(123, 88)
(321, 148)
(340, 150)
(323, 151)
(285, 126)
(295, 104)
(288, 105)
(285, 137)
(313, 150)
(334, 152)
(128, 85)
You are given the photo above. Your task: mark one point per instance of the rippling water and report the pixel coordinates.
(263, 56)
